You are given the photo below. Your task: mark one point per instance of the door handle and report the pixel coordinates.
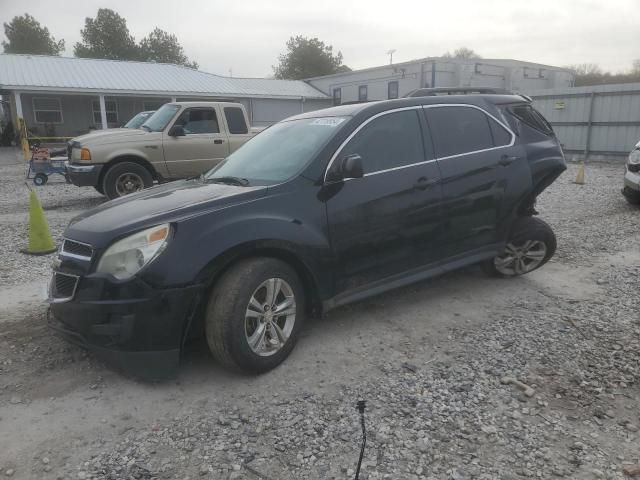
(218, 141)
(423, 183)
(506, 160)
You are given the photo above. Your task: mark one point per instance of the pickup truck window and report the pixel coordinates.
(279, 152)
(235, 120)
(159, 120)
(198, 120)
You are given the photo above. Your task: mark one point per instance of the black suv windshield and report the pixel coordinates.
(159, 120)
(279, 152)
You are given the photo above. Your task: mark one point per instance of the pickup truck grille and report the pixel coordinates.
(63, 286)
(75, 249)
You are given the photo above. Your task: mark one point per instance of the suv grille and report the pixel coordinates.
(76, 248)
(63, 285)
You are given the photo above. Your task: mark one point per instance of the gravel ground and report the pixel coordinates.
(465, 377)
(60, 201)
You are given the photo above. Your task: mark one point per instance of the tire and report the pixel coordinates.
(40, 179)
(116, 181)
(531, 244)
(99, 189)
(632, 197)
(229, 329)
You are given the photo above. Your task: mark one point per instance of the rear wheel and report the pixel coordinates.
(531, 245)
(125, 178)
(254, 315)
(99, 189)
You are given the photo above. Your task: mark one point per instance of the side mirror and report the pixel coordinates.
(352, 167)
(176, 131)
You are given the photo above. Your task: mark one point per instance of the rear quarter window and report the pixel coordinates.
(531, 117)
(501, 136)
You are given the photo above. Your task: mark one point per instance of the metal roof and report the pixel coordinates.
(49, 73)
(498, 62)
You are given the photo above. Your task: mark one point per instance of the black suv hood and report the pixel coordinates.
(165, 203)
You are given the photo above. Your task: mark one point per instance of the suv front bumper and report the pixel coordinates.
(84, 175)
(130, 325)
(631, 188)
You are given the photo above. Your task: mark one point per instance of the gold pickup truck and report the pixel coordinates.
(180, 140)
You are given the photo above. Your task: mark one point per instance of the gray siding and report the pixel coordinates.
(77, 111)
(599, 121)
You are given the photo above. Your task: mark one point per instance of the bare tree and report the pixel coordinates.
(463, 53)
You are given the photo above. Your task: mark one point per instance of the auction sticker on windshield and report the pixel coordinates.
(328, 121)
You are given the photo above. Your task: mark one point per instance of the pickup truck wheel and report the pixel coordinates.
(99, 189)
(254, 315)
(125, 178)
(531, 245)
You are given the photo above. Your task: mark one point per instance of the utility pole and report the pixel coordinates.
(390, 53)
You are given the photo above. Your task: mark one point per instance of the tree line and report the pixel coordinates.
(592, 74)
(105, 36)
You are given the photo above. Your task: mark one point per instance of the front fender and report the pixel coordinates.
(111, 155)
(205, 244)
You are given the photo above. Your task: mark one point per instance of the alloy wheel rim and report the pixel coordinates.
(520, 259)
(270, 317)
(129, 183)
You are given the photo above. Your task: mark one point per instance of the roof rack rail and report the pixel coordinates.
(431, 92)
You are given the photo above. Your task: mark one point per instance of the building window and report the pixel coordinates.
(337, 96)
(362, 93)
(47, 110)
(111, 107)
(392, 89)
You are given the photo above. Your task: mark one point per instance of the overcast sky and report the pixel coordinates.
(248, 35)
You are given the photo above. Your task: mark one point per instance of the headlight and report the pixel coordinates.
(128, 256)
(634, 157)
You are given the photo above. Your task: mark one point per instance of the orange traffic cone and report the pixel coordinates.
(40, 240)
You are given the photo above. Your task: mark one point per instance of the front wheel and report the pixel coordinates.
(124, 178)
(532, 243)
(254, 315)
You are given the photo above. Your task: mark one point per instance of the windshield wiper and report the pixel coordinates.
(243, 182)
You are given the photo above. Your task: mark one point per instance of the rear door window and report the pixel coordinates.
(458, 129)
(235, 120)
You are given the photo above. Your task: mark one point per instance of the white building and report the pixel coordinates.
(396, 80)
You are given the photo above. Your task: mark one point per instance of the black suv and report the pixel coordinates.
(322, 209)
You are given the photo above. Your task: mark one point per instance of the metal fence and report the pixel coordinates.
(596, 122)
